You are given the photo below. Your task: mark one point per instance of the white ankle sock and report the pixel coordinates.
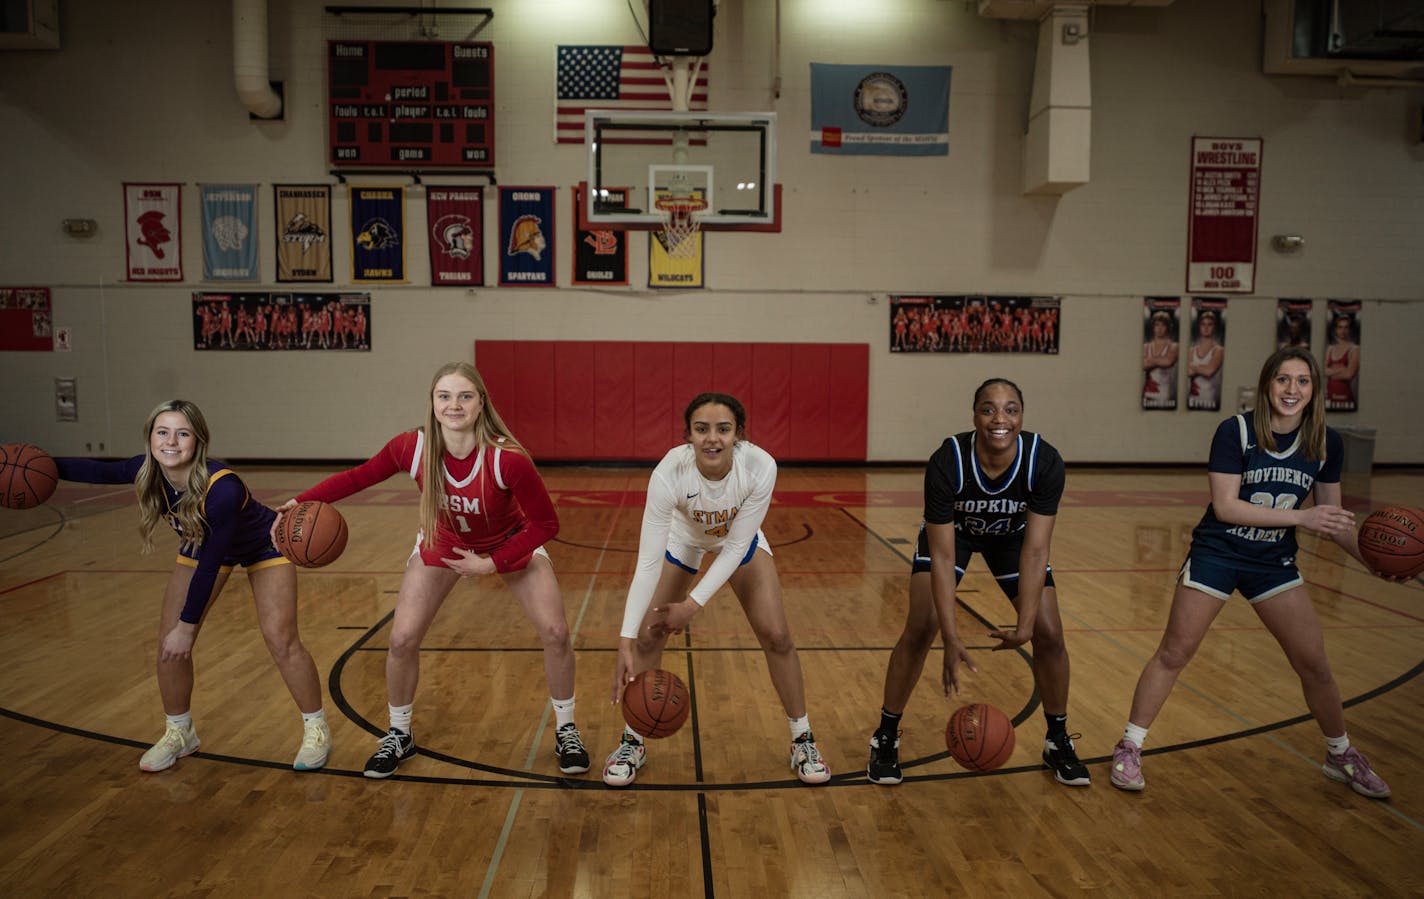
(1338, 745)
(799, 726)
(400, 717)
(1134, 734)
(318, 715)
(185, 720)
(563, 710)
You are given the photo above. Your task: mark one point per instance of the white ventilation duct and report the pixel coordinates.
(249, 59)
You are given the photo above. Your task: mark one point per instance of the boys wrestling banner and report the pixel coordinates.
(281, 321)
(1207, 353)
(880, 110)
(526, 228)
(378, 235)
(1159, 352)
(457, 235)
(1342, 357)
(153, 230)
(26, 319)
(229, 231)
(303, 231)
(1293, 323)
(1224, 206)
(973, 324)
(600, 256)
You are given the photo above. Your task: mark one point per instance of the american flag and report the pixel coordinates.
(611, 77)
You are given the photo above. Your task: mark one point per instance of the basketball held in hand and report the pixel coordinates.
(28, 476)
(1392, 541)
(656, 703)
(312, 535)
(980, 737)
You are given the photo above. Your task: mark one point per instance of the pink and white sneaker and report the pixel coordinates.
(1350, 767)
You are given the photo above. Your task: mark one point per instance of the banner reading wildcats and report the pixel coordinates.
(259, 320)
(1341, 361)
(378, 234)
(526, 228)
(973, 324)
(303, 231)
(1160, 348)
(153, 229)
(229, 232)
(457, 235)
(600, 256)
(668, 271)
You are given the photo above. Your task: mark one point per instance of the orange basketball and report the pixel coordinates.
(980, 737)
(28, 476)
(312, 535)
(656, 703)
(1392, 541)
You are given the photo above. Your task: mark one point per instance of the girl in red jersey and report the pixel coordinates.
(488, 514)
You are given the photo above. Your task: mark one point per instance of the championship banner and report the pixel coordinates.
(378, 235)
(26, 319)
(1342, 357)
(1207, 354)
(880, 110)
(628, 79)
(229, 231)
(1224, 202)
(974, 324)
(281, 321)
(600, 256)
(1159, 352)
(457, 235)
(153, 230)
(303, 231)
(668, 271)
(1293, 323)
(526, 227)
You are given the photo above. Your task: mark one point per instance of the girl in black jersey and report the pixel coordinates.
(994, 491)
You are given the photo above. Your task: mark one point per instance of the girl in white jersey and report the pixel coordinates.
(709, 495)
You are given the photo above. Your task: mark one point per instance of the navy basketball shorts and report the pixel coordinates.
(1218, 575)
(1000, 554)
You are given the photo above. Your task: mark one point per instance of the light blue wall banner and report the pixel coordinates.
(880, 110)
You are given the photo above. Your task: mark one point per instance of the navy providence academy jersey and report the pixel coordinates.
(957, 490)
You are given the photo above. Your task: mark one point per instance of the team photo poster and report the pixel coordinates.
(281, 321)
(974, 324)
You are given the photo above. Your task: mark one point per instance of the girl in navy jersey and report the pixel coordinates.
(709, 494)
(219, 526)
(485, 511)
(995, 491)
(1264, 466)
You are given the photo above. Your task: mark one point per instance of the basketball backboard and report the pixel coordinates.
(727, 159)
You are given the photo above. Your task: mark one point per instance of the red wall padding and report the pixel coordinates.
(620, 400)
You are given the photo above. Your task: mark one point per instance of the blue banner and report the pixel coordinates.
(377, 234)
(526, 227)
(880, 110)
(229, 232)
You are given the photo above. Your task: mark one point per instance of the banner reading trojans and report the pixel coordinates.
(1159, 352)
(880, 110)
(1293, 323)
(378, 234)
(229, 231)
(1207, 354)
(153, 228)
(1342, 357)
(457, 235)
(526, 229)
(600, 256)
(303, 231)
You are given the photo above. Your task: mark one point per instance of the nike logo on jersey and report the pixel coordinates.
(691, 495)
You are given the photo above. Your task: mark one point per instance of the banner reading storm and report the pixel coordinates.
(974, 324)
(1159, 352)
(303, 231)
(259, 320)
(1207, 354)
(457, 235)
(378, 234)
(1342, 357)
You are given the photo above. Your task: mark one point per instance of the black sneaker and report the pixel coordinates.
(573, 758)
(395, 748)
(884, 767)
(1064, 762)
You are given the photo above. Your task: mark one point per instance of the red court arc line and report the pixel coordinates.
(39, 580)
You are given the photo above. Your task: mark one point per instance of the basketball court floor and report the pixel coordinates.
(1235, 803)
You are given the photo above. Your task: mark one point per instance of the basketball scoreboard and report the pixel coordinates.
(410, 104)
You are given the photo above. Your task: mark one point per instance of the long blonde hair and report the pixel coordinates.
(153, 502)
(1312, 423)
(490, 430)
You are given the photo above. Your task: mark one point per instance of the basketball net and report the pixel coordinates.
(681, 222)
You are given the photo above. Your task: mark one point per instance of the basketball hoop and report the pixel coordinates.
(681, 221)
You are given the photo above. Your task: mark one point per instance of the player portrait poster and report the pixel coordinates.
(1207, 354)
(526, 228)
(259, 320)
(1342, 357)
(303, 231)
(378, 234)
(1293, 323)
(229, 231)
(1159, 352)
(670, 271)
(26, 319)
(600, 256)
(880, 110)
(153, 230)
(456, 216)
(974, 324)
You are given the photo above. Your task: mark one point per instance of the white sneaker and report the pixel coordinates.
(622, 766)
(316, 746)
(175, 743)
(806, 760)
